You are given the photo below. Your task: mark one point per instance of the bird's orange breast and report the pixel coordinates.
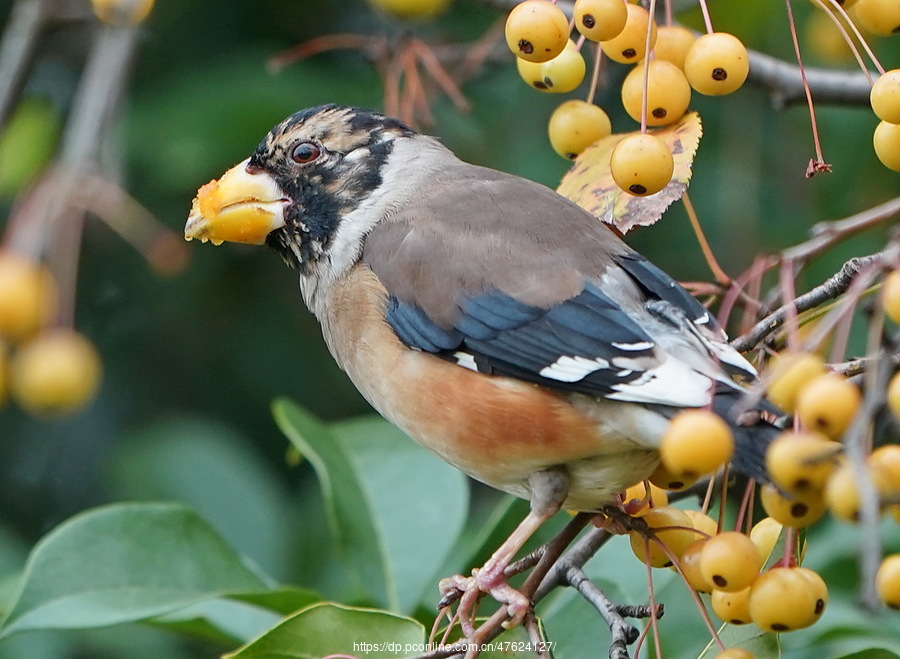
(496, 429)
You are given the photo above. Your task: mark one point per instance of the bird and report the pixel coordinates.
(491, 319)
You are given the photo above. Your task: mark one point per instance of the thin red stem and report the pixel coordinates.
(820, 164)
(706, 19)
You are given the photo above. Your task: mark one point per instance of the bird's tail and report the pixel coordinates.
(753, 428)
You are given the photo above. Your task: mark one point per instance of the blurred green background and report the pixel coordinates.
(192, 362)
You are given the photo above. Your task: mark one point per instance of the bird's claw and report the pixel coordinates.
(468, 589)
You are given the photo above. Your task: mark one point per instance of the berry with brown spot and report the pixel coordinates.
(641, 164)
(717, 64)
(828, 404)
(787, 598)
(668, 92)
(536, 30)
(600, 20)
(630, 45)
(730, 561)
(799, 510)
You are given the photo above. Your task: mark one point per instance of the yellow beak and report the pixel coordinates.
(240, 207)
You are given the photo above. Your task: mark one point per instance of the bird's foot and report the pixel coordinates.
(491, 580)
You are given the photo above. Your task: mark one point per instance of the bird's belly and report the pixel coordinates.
(496, 429)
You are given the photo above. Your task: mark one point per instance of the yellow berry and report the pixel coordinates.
(575, 125)
(890, 295)
(600, 20)
(669, 481)
(765, 534)
(885, 97)
(790, 372)
(689, 562)
(55, 373)
(828, 404)
(703, 523)
(799, 510)
(673, 43)
(842, 494)
(824, 39)
(671, 527)
(559, 75)
(641, 164)
(880, 17)
(732, 607)
(28, 296)
(884, 464)
(887, 581)
(668, 93)
(787, 598)
(734, 653)
(411, 9)
(537, 30)
(730, 561)
(893, 395)
(122, 12)
(696, 442)
(799, 462)
(630, 45)
(637, 500)
(886, 141)
(717, 64)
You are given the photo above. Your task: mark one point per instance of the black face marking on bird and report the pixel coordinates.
(353, 146)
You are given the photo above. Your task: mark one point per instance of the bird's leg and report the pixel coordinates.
(549, 489)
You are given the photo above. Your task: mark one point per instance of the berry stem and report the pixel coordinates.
(848, 39)
(865, 44)
(714, 266)
(595, 75)
(646, 81)
(654, 624)
(579, 43)
(819, 165)
(746, 506)
(696, 597)
(669, 18)
(706, 19)
(788, 294)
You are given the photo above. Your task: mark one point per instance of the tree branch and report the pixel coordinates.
(828, 290)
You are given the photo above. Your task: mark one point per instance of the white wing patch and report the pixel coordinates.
(573, 369)
(640, 345)
(465, 360)
(672, 383)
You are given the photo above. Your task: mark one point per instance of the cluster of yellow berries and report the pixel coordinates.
(809, 476)
(727, 565)
(48, 371)
(657, 91)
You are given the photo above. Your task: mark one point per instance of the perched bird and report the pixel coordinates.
(491, 319)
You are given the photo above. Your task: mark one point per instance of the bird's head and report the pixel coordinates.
(309, 173)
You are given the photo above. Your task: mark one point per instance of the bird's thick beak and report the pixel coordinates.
(243, 206)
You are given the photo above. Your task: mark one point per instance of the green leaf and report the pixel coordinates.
(325, 629)
(347, 507)
(762, 644)
(240, 617)
(218, 473)
(125, 562)
(418, 502)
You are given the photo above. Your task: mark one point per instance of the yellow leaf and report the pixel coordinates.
(590, 185)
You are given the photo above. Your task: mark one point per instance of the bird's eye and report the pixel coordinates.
(305, 152)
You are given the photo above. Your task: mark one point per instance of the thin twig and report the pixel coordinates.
(828, 290)
(826, 234)
(17, 47)
(623, 633)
